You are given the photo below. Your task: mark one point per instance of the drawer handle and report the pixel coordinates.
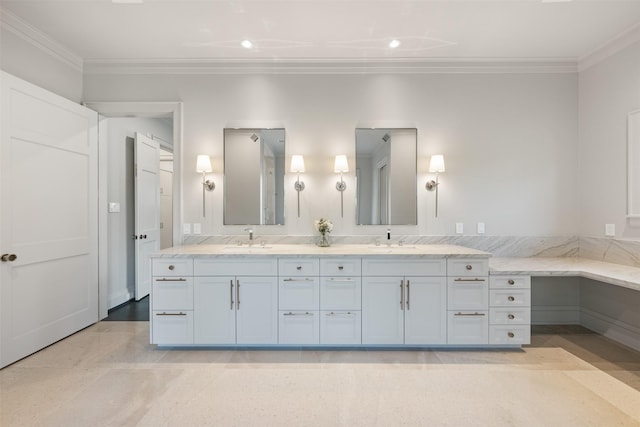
(469, 267)
(298, 314)
(347, 279)
(511, 316)
(511, 299)
(468, 280)
(511, 335)
(469, 314)
(511, 282)
(348, 313)
(164, 313)
(171, 280)
(340, 267)
(172, 267)
(299, 267)
(290, 279)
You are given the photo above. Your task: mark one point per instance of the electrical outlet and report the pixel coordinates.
(197, 228)
(114, 207)
(481, 228)
(459, 228)
(186, 228)
(610, 230)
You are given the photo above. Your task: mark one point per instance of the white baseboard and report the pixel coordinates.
(555, 315)
(119, 298)
(614, 329)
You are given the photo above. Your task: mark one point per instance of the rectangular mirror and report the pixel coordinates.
(386, 176)
(254, 176)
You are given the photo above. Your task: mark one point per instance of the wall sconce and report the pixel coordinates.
(436, 165)
(203, 165)
(341, 166)
(297, 166)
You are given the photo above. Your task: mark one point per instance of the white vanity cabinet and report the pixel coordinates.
(299, 301)
(467, 301)
(510, 309)
(340, 301)
(172, 301)
(404, 301)
(235, 309)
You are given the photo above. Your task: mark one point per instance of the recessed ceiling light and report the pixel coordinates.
(247, 44)
(394, 43)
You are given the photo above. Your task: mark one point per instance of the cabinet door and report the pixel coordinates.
(214, 310)
(256, 310)
(382, 310)
(425, 315)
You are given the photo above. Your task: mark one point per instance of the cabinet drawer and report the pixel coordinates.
(467, 267)
(299, 267)
(509, 335)
(467, 327)
(172, 267)
(299, 293)
(510, 298)
(510, 316)
(172, 293)
(510, 282)
(299, 327)
(403, 267)
(230, 266)
(340, 327)
(340, 293)
(172, 327)
(340, 267)
(468, 294)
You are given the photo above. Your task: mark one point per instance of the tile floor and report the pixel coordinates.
(108, 375)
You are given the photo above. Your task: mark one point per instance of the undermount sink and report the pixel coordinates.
(246, 248)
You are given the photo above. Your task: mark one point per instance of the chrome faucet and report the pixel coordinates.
(250, 230)
(388, 236)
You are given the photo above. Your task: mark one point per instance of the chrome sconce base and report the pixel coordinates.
(209, 185)
(341, 186)
(431, 186)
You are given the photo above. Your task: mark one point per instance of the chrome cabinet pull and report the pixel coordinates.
(460, 279)
(164, 313)
(8, 257)
(511, 335)
(299, 268)
(340, 267)
(298, 314)
(306, 279)
(469, 267)
(231, 292)
(348, 313)
(402, 295)
(237, 294)
(172, 267)
(511, 299)
(511, 317)
(180, 279)
(511, 282)
(346, 279)
(408, 294)
(469, 314)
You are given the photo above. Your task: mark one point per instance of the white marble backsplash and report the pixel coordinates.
(501, 246)
(617, 251)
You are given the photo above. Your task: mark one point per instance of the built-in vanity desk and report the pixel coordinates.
(346, 295)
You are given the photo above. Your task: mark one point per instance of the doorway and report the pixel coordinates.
(116, 232)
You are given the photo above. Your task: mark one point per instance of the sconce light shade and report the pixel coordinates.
(436, 165)
(297, 163)
(203, 164)
(341, 164)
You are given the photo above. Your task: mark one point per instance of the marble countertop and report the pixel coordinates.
(615, 274)
(312, 250)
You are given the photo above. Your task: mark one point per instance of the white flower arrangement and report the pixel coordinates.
(324, 226)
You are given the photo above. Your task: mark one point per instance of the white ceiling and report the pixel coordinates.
(451, 30)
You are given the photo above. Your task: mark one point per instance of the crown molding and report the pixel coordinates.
(618, 43)
(330, 66)
(15, 25)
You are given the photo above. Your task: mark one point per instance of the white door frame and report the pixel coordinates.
(123, 109)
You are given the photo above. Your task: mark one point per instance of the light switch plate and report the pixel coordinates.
(186, 228)
(610, 230)
(459, 228)
(197, 228)
(114, 207)
(481, 228)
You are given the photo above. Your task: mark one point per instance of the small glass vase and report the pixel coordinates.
(324, 241)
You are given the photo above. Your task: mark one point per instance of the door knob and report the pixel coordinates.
(8, 257)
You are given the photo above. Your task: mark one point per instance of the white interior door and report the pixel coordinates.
(147, 209)
(48, 218)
